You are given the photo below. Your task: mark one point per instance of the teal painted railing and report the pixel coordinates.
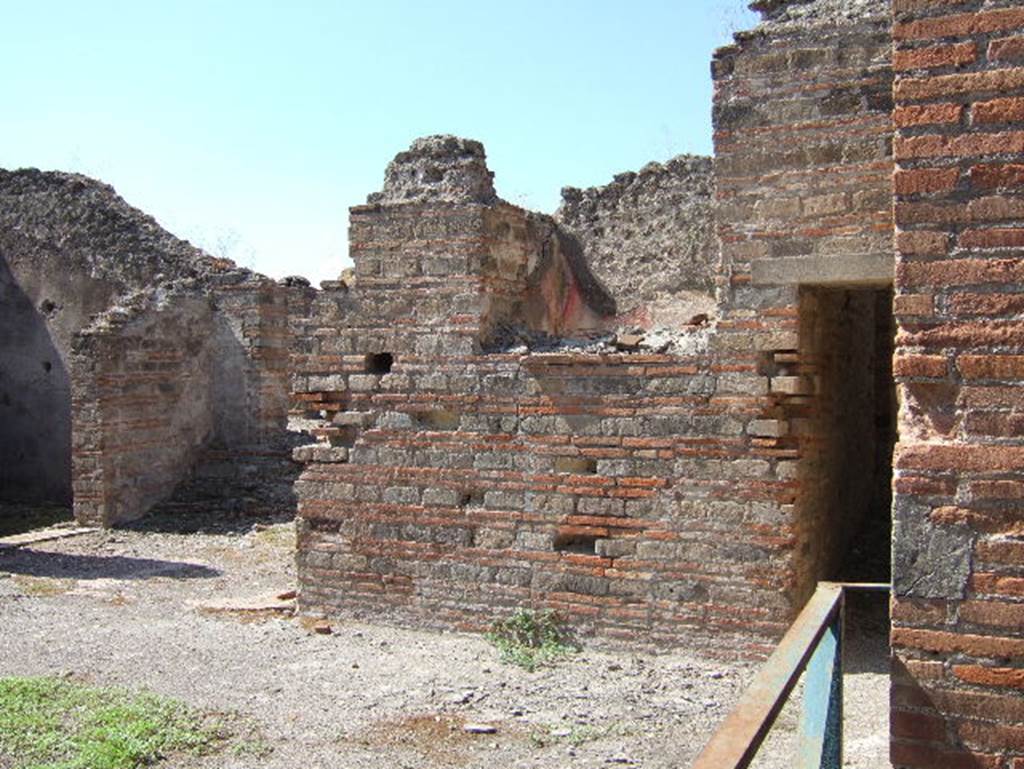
(814, 642)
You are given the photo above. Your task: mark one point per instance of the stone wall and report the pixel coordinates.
(474, 485)
(802, 120)
(251, 336)
(958, 613)
(35, 402)
(696, 482)
(650, 238)
(181, 396)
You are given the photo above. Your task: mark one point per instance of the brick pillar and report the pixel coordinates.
(958, 564)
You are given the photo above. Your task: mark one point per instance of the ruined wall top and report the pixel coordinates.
(442, 168)
(83, 226)
(782, 15)
(649, 235)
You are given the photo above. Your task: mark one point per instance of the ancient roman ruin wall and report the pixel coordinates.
(75, 259)
(480, 460)
(802, 151)
(490, 437)
(252, 363)
(68, 248)
(802, 164)
(649, 237)
(691, 479)
(958, 614)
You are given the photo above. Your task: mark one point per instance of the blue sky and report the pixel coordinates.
(250, 128)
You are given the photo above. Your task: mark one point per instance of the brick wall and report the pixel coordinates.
(69, 249)
(958, 612)
(654, 495)
(251, 364)
(646, 495)
(141, 406)
(802, 152)
(803, 166)
(182, 397)
(490, 482)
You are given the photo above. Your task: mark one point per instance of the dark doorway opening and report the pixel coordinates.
(846, 343)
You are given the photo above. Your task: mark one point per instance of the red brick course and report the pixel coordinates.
(924, 180)
(935, 56)
(990, 176)
(927, 114)
(1007, 49)
(958, 25)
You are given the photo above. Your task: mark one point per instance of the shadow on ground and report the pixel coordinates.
(18, 518)
(867, 632)
(35, 563)
(209, 521)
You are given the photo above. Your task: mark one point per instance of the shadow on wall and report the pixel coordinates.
(35, 402)
(230, 383)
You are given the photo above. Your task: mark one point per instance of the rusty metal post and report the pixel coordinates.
(738, 738)
(820, 735)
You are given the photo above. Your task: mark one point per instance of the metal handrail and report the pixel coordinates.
(813, 642)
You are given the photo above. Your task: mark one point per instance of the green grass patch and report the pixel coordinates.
(530, 639)
(52, 723)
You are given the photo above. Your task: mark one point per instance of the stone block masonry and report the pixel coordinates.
(496, 481)
(461, 474)
(802, 121)
(69, 248)
(958, 610)
(493, 432)
(696, 491)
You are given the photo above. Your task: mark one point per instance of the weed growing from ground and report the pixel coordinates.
(530, 639)
(575, 735)
(51, 723)
(42, 587)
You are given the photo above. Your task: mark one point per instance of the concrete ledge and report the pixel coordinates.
(44, 535)
(849, 269)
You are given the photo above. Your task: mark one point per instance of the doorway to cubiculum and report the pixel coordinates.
(846, 345)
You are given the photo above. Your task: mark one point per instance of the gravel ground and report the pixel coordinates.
(126, 608)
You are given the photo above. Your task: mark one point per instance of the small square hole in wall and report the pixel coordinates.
(766, 365)
(472, 498)
(576, 465)
(437, 419)
(583, 544)
(344, 436)
(379, 363)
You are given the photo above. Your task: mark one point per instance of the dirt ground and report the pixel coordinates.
(144, 608)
